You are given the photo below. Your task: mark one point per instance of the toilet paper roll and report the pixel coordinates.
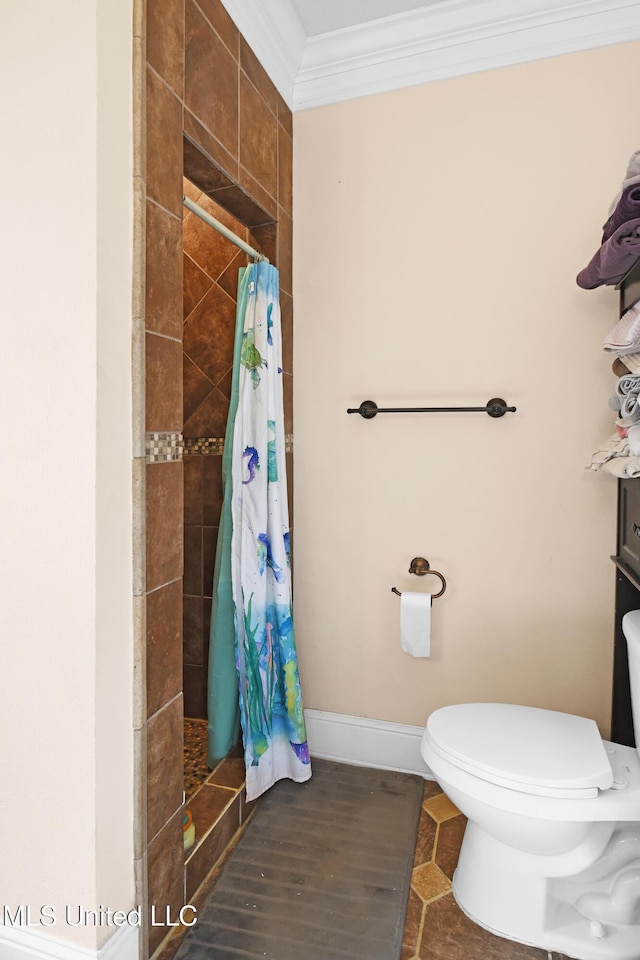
(415, 623)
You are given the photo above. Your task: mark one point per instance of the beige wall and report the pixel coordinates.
(65, 484)
(438, 233)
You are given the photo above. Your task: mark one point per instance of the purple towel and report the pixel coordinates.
(614, 259)
(627, 208)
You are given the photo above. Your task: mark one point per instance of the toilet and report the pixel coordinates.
(551, 850)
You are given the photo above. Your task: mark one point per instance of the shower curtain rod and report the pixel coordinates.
(220, 227)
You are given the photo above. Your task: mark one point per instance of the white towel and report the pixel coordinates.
(623, 467)
(615, 446)
(415, 623)
(625, 336)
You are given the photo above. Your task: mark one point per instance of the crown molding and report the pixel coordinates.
(452, 39)
(442, 40)
(276, 36)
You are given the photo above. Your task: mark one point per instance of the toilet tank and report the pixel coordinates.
(631, 630)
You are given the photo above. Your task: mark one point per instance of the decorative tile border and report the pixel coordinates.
(214, 446)
(163, 447)
(203, 446)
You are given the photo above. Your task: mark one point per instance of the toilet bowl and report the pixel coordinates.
(551, 851)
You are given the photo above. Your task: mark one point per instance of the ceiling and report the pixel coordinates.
(329, 15)
(319, 52)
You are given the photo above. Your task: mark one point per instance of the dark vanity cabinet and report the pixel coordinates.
(627, 562)
(627, 598)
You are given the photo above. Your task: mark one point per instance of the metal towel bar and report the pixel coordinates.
(495, 407)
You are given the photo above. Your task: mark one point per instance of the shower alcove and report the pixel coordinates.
(208, 112)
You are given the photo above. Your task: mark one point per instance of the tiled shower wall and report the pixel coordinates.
(211, 265)
(205, 108)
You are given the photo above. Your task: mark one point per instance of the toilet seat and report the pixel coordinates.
(528, 749)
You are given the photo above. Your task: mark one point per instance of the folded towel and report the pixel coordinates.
(627, 208)
(628, 390)
(631, 177)
(614, 258)
(628, 385)
(623, 467)
(633, 436)
(615, 446)
(631, 361)
(630, 408)
(625, 336)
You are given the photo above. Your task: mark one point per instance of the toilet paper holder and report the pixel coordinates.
(421, 568)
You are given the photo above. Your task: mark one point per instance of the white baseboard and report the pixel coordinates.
(19, 943)
(365, 742)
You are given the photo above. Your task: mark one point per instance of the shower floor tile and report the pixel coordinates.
(196, 769)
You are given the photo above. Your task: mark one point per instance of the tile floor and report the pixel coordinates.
(435, 927)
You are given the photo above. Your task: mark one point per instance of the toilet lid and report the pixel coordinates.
(526, 748)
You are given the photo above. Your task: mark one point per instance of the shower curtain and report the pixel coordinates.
(275, 741)
(223, 707)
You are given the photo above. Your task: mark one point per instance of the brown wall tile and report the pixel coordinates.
(230, 773)
(222, 23)
(209, 539)
(224, 386)
(164, 765)
(165, 41)
(206, 162)
(164, 272)
(211, 79)
(164, 145)
(284, 115)
(210, 250)
(209, 333)
(258, 137)
(229, 279)
(163, 384)
(248, 201)
(196, 284)
(210, 418)
(285, 251)
(207, 806)
(285, 170)
(206, 626)
(193, 633)
(192, 467)
(211, 490)
(196, 387)
(213, 846)
(195, 691)
(165, 859)
(254, 70)
(164, 523)
(164, 645)
(265, 239)
(193, 559)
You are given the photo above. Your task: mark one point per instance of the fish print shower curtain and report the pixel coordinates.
(275, 740)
